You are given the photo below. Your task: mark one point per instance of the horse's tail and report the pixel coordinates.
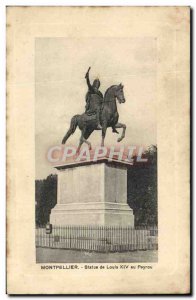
(72, 128)
(74, 123)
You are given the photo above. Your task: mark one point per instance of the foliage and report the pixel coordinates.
(46, 197)
(142, 189)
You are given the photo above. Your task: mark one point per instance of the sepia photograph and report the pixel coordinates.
(96, 186)
(98, 150)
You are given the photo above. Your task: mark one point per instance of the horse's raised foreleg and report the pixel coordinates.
(104, 129)
(114, 130)
(121, 125)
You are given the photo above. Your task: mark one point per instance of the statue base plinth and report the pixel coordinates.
(100, 213)
(92, 193)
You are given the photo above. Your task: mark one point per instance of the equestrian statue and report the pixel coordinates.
(100, 113)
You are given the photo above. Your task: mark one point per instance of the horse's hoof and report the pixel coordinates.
(119, 140)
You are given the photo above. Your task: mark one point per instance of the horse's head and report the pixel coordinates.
(120, 94)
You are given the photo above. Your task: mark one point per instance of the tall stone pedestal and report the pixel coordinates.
(92, 193)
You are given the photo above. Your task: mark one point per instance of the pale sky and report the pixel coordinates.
(60, 88)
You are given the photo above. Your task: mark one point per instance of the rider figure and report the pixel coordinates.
(93, 89)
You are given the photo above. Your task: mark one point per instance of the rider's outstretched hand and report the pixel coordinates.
(87, 72)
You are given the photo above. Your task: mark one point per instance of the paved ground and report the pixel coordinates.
(46, 255)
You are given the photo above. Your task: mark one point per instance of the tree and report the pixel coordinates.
(142, 189)
(46, 198)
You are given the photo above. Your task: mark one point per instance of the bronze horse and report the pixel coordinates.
(108, 117)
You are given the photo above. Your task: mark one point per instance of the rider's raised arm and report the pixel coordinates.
(88, 80)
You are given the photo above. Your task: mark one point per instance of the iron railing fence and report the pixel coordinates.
(99, 238)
